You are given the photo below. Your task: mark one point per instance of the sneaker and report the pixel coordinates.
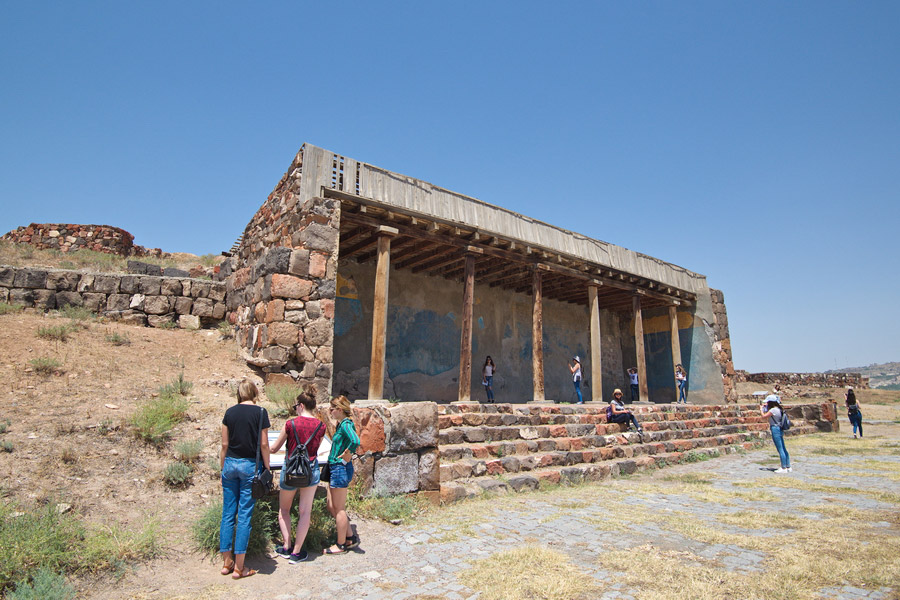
(296, 558)
(790, 470)
(282, 551)
(781, 470)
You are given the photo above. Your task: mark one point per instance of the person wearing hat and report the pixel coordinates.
(619, 414)
(576, 376)
(774, 411)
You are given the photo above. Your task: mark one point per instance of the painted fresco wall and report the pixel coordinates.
(423, 339)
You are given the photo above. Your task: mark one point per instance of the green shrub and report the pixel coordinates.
(117, 339)
(6, 308)
(60, 333)
(177, 474)
(45, 365)
(77, 313)
(212, 462)
(205, 530)
(178, 387)
(167, 325)
(6, 446)
(225, 329)
(209, 260)
(154, 420)
(283, 396)
(45, 585)
(44, 538)
(384, 507)
(188, 451)
(4, 426)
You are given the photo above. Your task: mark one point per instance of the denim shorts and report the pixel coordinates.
(341, 474)
(314, 481)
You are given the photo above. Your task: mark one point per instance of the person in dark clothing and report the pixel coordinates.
(853, 411)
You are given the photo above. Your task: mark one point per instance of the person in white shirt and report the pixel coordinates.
(576, 376)
(487, 378)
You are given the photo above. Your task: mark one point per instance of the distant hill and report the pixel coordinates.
(885, 375)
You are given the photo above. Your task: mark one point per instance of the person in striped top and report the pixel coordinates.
(344, 443)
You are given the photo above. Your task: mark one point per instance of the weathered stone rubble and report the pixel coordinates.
(138, 299)
(67, 237)
(811, 379)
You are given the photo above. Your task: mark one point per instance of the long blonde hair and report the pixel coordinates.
(247, 391)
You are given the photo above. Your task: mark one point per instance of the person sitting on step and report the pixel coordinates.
(619, 414)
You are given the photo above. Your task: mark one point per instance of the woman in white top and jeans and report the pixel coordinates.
(576, 376)
(487, 378)
(774, 411)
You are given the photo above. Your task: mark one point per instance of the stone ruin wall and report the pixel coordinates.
(135, 299)
(67, 237)
(835, 380)
(281, 286)
(722, 344)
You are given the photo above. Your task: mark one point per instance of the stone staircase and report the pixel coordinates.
(514, 447)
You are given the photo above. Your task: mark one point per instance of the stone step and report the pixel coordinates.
(490, 433)
(520, 481)
(518, 447)
(586, 408)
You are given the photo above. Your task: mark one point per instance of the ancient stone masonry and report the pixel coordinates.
(811, 379)
(722, 344)
(281, 284)
(68, 237)
(138, 299)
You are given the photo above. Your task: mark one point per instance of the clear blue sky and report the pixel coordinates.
(757, 143)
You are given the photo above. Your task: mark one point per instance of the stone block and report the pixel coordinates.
(276, 355)
(128, 284)
(316, 237)
(133, 317)
(429, 470)
(94, 301)
(4, 294)
(30, 278)
(7, 276)
(414, 426)
(173, 272)
(160, 320)
(317, 262)
(274, 311)
(62, 281)
(67, 298)
(158, 305)
(289, 286)
(313, 309)
(327, 308)
(142, 268)
(183, 305)
(283, 334)
(188, 321)
(217, 292)
(364, 473)
(452, 492)
(397, 474)
(149, 286)
(319, 332)
(118, 302)
(523, 482)
(44, 299)
(326, 289)
(219, 310)
(106, 285)
(186, 288)
(203, 307)
(299, 264)
(137, 302)
(171, 287)
(370, 428)
(200, 289)
(493, 486)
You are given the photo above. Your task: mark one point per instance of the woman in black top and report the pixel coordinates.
(853, 412)
(245, 428)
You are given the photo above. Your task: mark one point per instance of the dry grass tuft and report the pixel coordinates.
(529, 573)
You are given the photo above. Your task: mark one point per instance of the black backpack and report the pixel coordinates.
(298, 467)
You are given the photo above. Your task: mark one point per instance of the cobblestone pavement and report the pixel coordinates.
(423, 560)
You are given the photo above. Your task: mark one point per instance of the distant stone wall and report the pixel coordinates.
(138, 299)
(722, 344)
(67, 237)
(281, 285)
(812, 379)
(398, 451)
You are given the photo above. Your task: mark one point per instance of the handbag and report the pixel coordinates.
(261, 485)
(325, 473)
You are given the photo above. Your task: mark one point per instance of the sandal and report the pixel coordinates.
(227, 568)
(246, 573)
(352, 542)
(341, 549)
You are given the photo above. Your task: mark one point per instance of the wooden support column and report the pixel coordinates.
(537, 337)
(465, 337)
(596, 359)
(676, 344)
(379, 312)
(639, 350)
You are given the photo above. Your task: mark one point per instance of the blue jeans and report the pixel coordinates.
(578, 391)
(682, 395)
(635, 392)
(855, 417)
(341, 474)
(237, 502)
(489, 387)
(778, 438)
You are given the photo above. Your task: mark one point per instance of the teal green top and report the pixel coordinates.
(344, 438)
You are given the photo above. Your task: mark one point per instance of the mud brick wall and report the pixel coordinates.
(398, 451)
(281, 285)
(67, 237)
(138, 299)
(722, 344)
(811, 379)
